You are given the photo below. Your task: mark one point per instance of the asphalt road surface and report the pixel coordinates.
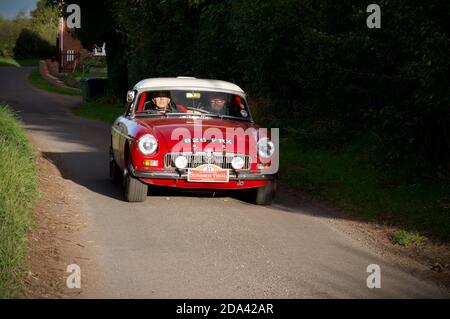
(195, 245)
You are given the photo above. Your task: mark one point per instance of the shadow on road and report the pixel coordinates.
(90, 170)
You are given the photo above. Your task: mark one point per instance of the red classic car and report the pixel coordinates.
(193, 134)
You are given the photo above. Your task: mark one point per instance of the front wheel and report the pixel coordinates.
(133, 189)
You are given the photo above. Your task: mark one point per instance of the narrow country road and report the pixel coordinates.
(198, 246)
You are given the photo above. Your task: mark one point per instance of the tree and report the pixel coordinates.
(97, 26)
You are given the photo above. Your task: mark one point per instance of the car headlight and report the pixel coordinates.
(265, 147)
(147, 144)
(181, 162)
(237, 162)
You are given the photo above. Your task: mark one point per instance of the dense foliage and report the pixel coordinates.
(311, 67)
(30, 37)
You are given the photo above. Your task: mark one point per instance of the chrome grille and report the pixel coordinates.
(200, 158)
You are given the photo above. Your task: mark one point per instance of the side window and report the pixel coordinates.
(234, 106)
(140, 102)
(128, 106)
(238, 107)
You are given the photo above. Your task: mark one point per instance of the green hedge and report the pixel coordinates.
(311, 67)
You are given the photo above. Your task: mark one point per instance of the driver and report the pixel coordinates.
(161, 100)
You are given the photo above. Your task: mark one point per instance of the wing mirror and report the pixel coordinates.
(130, 96)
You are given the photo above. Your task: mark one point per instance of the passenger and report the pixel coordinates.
(218, 102)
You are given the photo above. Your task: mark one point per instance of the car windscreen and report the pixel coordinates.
(191, 102)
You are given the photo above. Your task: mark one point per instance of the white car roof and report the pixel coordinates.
(188, 83)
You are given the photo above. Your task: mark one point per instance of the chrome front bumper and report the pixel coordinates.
(182, 175)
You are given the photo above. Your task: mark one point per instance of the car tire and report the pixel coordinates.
(264, 195)
(115, 174)
(134, 190)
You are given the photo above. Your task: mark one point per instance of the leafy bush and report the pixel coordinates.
(92, 62)
(10, 32)
(29, 44)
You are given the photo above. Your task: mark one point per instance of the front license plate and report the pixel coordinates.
(208, 173)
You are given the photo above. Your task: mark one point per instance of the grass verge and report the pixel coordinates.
(405, 238)
(38, 81)
(18, 191)
(4, 61)
(99, 111)
(28, 62)
(347, 179)
(87, 75)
